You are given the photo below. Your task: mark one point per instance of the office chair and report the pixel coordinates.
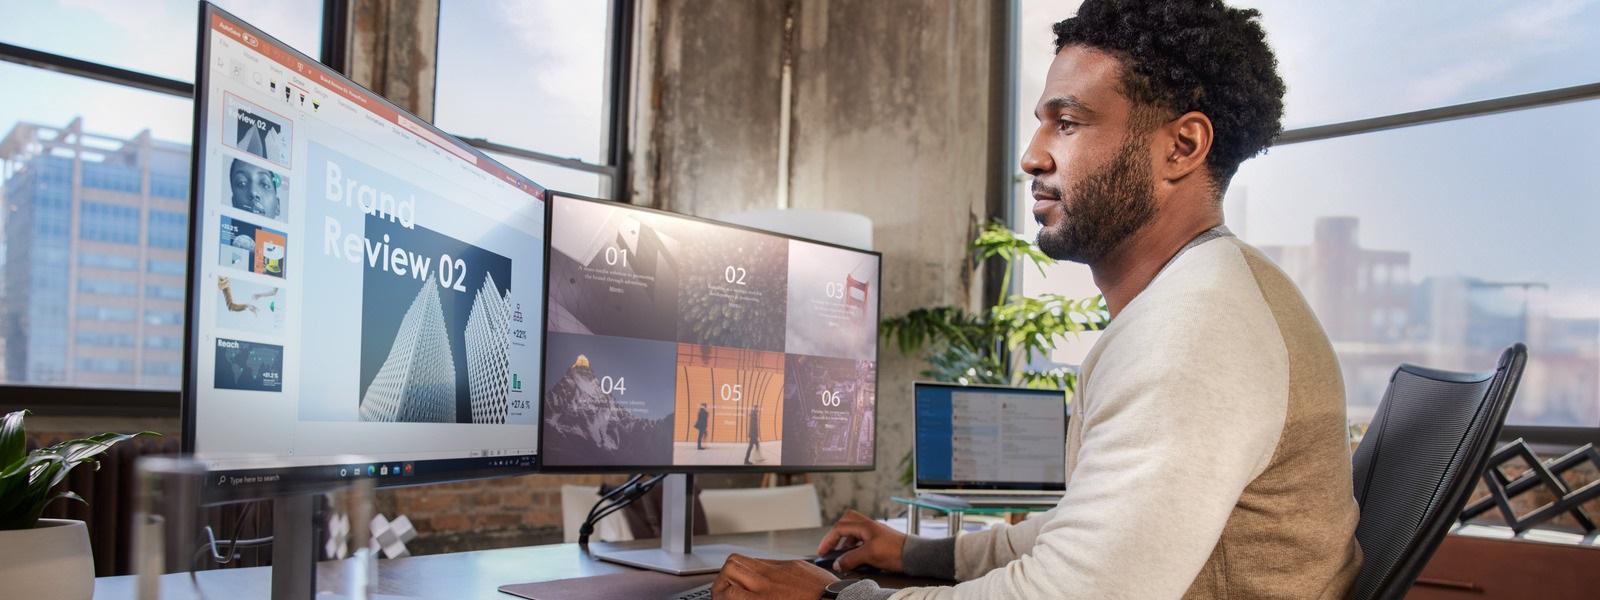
(1417, 465)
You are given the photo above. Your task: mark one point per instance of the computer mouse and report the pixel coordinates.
(827, 559)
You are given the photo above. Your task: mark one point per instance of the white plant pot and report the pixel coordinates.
(50, 561)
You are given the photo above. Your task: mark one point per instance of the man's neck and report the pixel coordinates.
(1128, 270)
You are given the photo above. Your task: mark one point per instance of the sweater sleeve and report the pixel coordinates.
(1169, 444)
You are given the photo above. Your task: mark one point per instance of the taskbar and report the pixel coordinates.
(234, 485)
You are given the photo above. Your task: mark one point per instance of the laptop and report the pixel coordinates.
(989, 446)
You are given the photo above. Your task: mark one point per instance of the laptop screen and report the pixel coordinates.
(990, 438)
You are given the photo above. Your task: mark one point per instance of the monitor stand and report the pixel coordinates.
(678, 555)
(296, 534)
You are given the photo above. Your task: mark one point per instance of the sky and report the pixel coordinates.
(526, 73)
(1453, 194)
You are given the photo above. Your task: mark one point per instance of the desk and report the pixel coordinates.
(470, 575)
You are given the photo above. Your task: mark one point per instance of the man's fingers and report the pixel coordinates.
(744, 572)
(840, 532)
(850, 560)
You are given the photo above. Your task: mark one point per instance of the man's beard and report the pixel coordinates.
(1103, 210)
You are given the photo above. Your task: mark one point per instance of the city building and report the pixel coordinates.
(96, 230)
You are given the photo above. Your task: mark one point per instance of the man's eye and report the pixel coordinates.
(1066, 125)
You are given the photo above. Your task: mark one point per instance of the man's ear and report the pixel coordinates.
(1188, 140)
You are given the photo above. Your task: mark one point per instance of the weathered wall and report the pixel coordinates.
(895, 111)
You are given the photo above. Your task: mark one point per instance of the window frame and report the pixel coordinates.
(619, 66)
(84, 401)
(1552, 439)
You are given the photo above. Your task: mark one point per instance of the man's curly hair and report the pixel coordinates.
(1190, 55)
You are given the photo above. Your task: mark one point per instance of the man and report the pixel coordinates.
(1207, 454)
(700, 424)
(755, 432)
(254, 189)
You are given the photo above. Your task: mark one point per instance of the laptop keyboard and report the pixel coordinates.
(700, 593)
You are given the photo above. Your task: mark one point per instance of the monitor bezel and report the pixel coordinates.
(297, 479)
(916, 474)
(877, 385)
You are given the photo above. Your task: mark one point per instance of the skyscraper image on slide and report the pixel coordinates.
(417, 382)
(488, 341)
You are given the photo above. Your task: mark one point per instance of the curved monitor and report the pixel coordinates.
(361, 283)
(676, 344)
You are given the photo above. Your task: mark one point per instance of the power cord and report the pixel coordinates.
(616, 499)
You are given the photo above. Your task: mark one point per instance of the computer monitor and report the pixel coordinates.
(360, 283)
(989, 440)
(675, 344)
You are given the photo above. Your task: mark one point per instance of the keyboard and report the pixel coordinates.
(1013, 500)
(700, 593)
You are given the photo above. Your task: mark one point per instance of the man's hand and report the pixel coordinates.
(745, 578)
(880, 546)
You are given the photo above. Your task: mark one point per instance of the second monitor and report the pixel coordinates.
(680, 344)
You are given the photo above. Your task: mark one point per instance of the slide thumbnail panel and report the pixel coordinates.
(250, 247)
(250, 128)
(734, 287)
(729, 406)
(607, 401)
(829, 411)
(252, 307)
(613, 272)
(249, 366)
(833, 302)
(256, 189)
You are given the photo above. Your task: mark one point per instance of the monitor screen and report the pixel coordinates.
(990, 438)
(680, 344)
(360, 282)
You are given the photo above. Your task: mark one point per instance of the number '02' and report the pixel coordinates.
(452, 273)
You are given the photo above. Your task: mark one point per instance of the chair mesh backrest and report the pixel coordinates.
(1417, 462)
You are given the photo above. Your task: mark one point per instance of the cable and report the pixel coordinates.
(620, 497)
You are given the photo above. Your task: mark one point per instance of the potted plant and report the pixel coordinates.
(43, 558)
(997, 346)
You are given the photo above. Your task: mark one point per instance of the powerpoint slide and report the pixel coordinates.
(249, 247)
(833, 302)
(256, 189)
(435, 339)
(250, 128)
(730, 407)
(613, 271)
(828, 411)
(251, 307)
(248, 366)
(417, 315)
(606, 401)
(734, 287)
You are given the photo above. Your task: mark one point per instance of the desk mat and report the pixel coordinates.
(647, 585)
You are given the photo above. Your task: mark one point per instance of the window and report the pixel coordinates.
(163, 292)
(115, 223)
(108, 287)
(1437, 243)
(98, 312)
(165, 267)
(531, 80)
(113, 262)
(96, 156)
(104, 339)
(169, 230)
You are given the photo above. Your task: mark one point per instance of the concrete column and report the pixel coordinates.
(895, 111)
(394, 49)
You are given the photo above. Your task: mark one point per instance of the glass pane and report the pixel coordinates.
(95, 183)
(528, 74)
(556, 178)
(153, 36)
(1365, 58)
(1427, 245)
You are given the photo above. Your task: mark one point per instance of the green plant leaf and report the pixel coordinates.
(13, 439)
